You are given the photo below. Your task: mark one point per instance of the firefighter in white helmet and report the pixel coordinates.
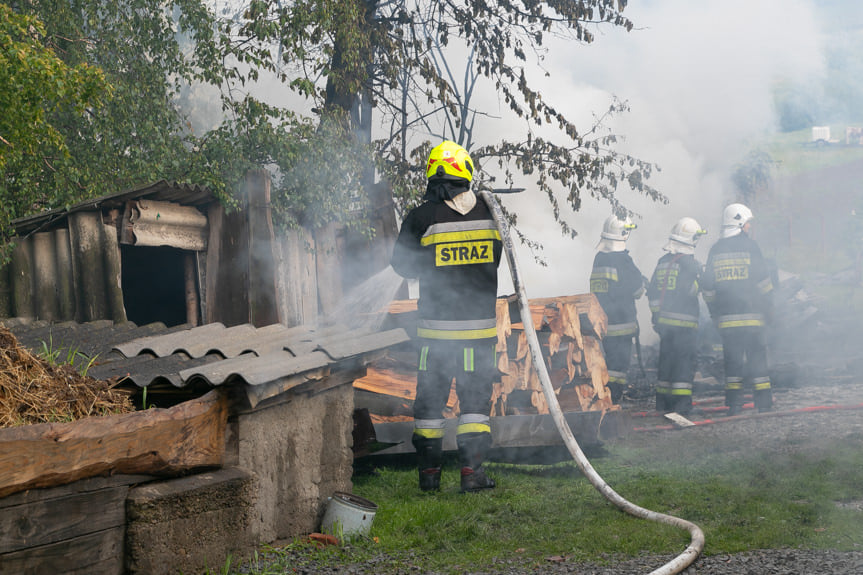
(452, 245)
(617, 283)
(673, 298)
(737, 288)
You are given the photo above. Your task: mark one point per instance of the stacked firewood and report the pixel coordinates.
(569, 329)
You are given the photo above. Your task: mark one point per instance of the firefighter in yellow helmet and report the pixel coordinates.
(451, 244)
(738, 290)
(617, 283)
(673, 298)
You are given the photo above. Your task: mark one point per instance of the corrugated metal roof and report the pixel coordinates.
(262, 361)
(183, 194)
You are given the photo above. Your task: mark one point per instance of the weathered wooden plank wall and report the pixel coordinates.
(263, 301)
(57, 531)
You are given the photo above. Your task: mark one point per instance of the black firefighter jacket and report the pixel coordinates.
(737, 285)
(617, 283)
(455, 257)
(673, 291)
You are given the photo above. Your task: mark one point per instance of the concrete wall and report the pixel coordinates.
(282, 463)
(301, 454)
(190, 524)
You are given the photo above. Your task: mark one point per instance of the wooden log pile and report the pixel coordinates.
(570, 329)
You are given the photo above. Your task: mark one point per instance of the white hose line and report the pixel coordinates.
(696, 545)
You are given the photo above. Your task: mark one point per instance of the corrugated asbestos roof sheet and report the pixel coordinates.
(263, 361)
(164, 191)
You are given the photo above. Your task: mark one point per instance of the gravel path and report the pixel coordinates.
(761, 562)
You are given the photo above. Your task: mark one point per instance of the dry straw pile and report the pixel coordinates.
(32, 390)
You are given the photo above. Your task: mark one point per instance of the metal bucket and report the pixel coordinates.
(348, 515)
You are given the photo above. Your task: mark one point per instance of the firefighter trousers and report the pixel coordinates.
(618, 355)
(472, 365)
(745, 356)
(678, 353)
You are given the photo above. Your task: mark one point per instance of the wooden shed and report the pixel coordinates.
(172, 253)
(253, 431)
(215, 314)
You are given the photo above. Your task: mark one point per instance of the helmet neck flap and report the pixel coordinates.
(439, 190)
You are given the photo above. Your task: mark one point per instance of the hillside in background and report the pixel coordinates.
(810, 219)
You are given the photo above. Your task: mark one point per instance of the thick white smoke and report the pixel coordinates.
(698, 78)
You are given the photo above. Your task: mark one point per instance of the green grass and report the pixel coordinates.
(794, 153)
(765, 500)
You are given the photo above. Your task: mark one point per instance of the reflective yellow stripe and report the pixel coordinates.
(676, 322)
(424, 356)
(741, 323)
(473, 428)
(468, 359)
(461, 236)
(734, 261)
(734, 383)
(761, 383)
(457, 334)
(430, 433)
(681, 392)
(607, 273)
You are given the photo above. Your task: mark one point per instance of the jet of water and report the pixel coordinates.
(367, 305)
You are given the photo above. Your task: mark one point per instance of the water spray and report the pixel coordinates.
(696, 545)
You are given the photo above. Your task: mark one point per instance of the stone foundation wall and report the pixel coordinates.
(190, 524)
(285, 461)
(301, 454)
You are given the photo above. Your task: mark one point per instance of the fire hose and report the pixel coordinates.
(769, 414)
(696, 545)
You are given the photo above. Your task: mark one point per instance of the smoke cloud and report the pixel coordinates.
(698, 77)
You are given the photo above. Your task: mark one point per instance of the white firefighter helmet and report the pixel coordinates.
(684, 235)
(734, 218)
(615, 232)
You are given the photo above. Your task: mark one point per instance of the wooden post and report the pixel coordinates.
(227, 268)
(191, 288)
(263, 307)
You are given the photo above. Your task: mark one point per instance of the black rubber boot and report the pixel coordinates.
(734, 401)
(661, 403)
(429, 455)
(763, 399)
(472, 450)
(683, 404)
(430, 479)
(475, 480)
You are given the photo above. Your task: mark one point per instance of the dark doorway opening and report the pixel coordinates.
(153, 281)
